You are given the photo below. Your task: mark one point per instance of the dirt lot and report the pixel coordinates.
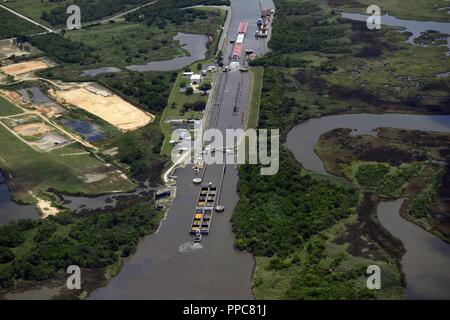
(105, 105)
(13, 95)
(7, 49)
(32, 129)
(24, 67)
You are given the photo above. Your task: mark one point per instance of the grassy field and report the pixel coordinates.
(38, 171)
(404, 9)
(255, 99)
(122, 43)
(7, 108)
(34, 9)
(12, 26)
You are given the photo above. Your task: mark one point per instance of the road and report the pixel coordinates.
(120, 14)
(26, 18)
(106, 20)
(167, 264)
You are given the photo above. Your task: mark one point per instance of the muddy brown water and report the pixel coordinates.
(426, 263)
(167, 264)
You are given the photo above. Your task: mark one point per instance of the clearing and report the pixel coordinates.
(105, 105)
(25, 67)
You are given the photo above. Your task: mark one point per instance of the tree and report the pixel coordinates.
(189, 91)
(6, 255)
(205, 86)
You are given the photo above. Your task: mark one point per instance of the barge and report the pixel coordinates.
(201, 221)
(238, 47)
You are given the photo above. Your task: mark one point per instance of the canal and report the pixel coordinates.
(167, 264)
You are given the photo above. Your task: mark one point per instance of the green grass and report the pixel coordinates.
(123, 43)
(255, 99)
(7, 108)
(38, 171)
(12, 26)
(384, 179)
(420, 205)
(34, 8)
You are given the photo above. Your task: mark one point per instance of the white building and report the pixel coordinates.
(196, 79)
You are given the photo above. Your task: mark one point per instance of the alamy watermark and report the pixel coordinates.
(74, 20)
(234, 146)
(74, 280)
(374, 279)
(374, 20)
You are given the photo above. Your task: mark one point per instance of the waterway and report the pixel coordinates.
(167, 264)
(426, 263)
(9, 210)
(415, 27)
(194, 44)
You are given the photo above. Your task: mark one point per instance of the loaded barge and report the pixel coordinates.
(238, 47)
(201, 222)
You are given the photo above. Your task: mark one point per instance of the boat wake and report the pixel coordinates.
(190, 246)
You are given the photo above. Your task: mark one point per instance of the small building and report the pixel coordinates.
(187, 75)
(196, 79)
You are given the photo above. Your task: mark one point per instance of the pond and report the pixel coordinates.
(98, 71)
(195, 44)
(91, 132)
(9, 210)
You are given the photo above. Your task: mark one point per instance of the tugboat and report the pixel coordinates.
(198, 236)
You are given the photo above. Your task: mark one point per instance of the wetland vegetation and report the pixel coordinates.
(323, 64)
